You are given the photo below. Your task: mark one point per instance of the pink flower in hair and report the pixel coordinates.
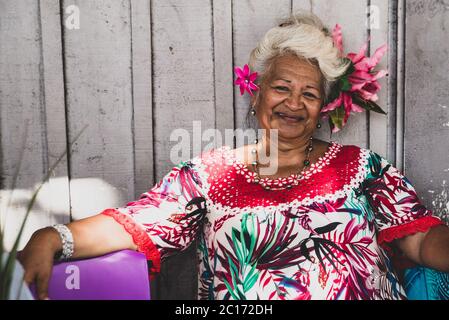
(338, 38)
(245, 80)
(357, 89)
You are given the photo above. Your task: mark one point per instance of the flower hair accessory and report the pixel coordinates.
(245, 79)
(357, 89)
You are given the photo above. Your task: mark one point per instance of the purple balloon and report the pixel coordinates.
(121, 275)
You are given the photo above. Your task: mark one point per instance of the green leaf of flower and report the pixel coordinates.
(375, 107)
(368, 105)
(337, 116)
(345, 84)
(351, 68)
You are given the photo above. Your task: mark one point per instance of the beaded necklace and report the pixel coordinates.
(293, 179)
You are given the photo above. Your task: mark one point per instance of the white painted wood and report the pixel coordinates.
(395, 45)
(31, 108)
(223, 65)
(142, 95)
(251, 20)
(352, 16)
(21, 99)
(183, 75)
(379, 26)
(183, 92)
(53, 93)
(300, 5)
(426, 143)
(142, 101)
(400, 102)
(98, 83)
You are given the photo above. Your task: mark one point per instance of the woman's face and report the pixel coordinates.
(290, 98)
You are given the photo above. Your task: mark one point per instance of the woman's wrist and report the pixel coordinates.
(49, 238)
(67, 241)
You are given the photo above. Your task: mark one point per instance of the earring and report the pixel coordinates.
(318, 126)
(253, 111)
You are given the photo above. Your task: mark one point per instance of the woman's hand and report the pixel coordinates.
(93, 236)
(37, 259)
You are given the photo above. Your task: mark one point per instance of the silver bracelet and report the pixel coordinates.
(67, 241)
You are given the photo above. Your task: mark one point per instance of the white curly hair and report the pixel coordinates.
(304, 35)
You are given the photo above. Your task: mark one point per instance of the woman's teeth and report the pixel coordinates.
(289, 117)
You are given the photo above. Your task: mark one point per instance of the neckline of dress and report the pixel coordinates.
(242, 168)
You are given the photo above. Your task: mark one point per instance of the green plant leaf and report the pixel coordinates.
(337, 117)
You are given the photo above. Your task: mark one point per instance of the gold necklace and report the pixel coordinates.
(293, 178)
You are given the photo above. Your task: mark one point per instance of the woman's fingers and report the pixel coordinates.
(29, 277)
(37, 261)
(40, 277)
(42, 286)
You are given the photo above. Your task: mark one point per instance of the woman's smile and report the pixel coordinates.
(290, 99)
(288, 117)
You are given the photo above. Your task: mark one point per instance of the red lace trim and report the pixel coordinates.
(231, 186)
(407, 229)
(140, 238)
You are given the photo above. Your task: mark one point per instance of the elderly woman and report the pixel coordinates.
(323, 226)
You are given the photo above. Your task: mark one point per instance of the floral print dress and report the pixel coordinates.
(326, 238)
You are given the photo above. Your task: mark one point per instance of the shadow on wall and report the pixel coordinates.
(88, 196)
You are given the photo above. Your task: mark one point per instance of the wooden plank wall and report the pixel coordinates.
(32, 115)
(98, 78)
(136, 70)
(183, 92)
(426, 118)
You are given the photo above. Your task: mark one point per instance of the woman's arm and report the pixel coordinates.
(146, 225)
(99, 235)
(94, 236)
(429, 249)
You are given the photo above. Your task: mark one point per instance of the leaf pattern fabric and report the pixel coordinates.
(324, 239)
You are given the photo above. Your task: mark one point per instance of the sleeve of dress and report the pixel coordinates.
(397, 209)
(167, 218)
